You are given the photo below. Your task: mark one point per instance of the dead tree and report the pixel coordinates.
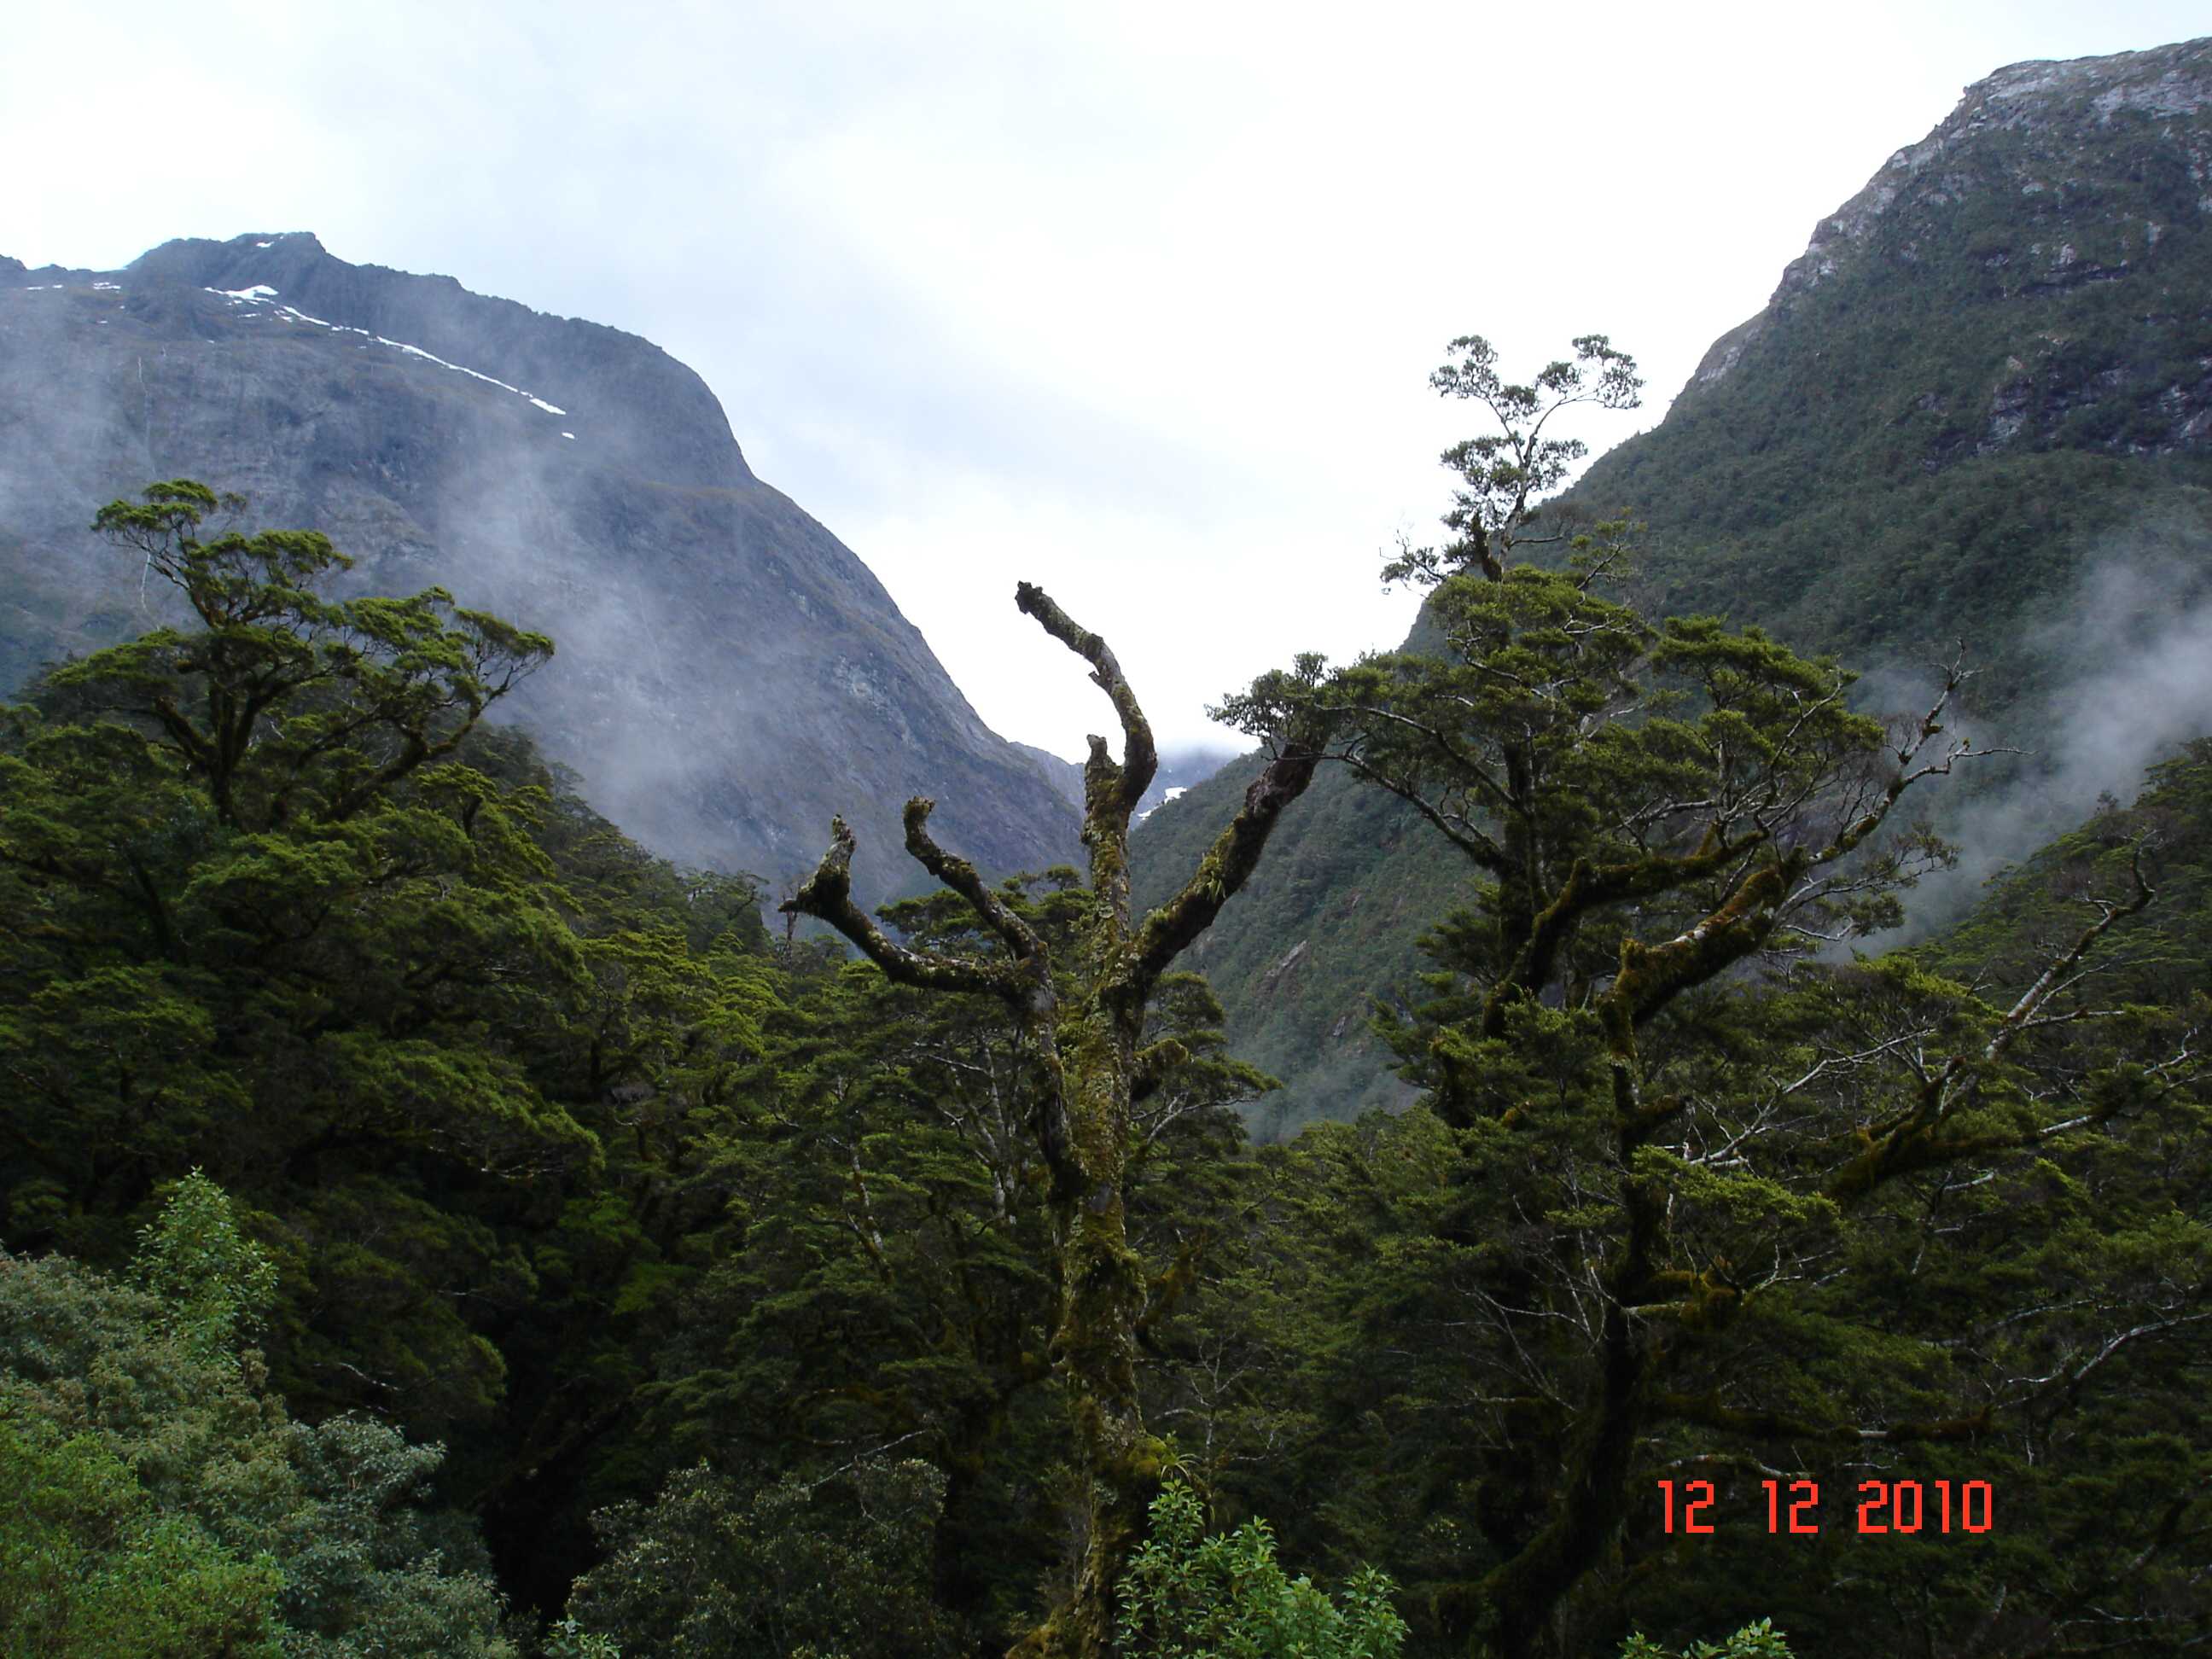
(1089, 1040)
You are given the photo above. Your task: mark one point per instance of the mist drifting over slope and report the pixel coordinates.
(2133, 640)
(729, 674)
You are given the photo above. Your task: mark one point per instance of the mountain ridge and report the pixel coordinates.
(1977, 405)
(731, 675)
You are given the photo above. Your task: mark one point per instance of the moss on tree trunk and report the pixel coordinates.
(1088, 1037)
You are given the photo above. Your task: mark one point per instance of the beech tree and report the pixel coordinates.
(1590, 765)
(881, 1271)
(1649, 810)
(1097, 1068)
(285, 703)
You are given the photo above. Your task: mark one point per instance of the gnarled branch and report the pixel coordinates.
(827, 895)
(960, 875)
(1228, 863)
(1139, 758)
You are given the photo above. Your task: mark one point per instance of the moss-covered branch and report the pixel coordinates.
(1228, 863)
(960, 875)
(1914, 1141)
(827, 896)
(1139, 758)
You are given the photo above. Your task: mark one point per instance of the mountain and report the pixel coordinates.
(729, 674)
(1977, 408)
(1990, 369)
(1180, 770)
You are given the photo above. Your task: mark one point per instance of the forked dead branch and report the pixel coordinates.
(1087, 1022)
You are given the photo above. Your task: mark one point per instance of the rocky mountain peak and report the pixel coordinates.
(2120, 144)
(627, 382)
(2163, 81)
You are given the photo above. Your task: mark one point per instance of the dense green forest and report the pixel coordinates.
(433, 1224)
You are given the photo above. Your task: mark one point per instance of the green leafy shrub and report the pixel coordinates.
(1759, 1641)
(1226, 1597)
(168, 1506)
(93, 1565)
(838, 1568)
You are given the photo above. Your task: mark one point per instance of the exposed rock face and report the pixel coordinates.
(2048, 178)
(2062, 113)
(729, 674)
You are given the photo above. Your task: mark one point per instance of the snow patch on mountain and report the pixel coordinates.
(262, 293)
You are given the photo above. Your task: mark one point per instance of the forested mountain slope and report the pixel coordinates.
(1978, 408)
(729, 674)
(368, 1090)
(1990, 373)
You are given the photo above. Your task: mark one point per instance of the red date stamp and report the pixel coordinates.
(1884, 1506)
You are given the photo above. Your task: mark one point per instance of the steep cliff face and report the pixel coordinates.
(1978, 407)
(2047, 177)
(1993, 359)
(729, 674)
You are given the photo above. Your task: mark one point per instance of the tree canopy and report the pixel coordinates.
(431, 1222)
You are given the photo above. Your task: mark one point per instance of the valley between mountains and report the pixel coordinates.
(562, 1096)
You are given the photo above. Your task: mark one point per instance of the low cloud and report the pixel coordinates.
(2132, 657)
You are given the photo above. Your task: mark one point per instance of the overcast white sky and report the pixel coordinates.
(1134, 300)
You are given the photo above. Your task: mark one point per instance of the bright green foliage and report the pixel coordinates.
(156, 1454)
(193, 1258)
(87, 1356)
(91, 1565)
(369, 1568)
(837, 1570)
(568, 1639)
(1759, 1641)
(1187, 1596)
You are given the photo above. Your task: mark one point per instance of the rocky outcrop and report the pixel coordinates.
(729, 674)
(2061, 113)
(2048, 179)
